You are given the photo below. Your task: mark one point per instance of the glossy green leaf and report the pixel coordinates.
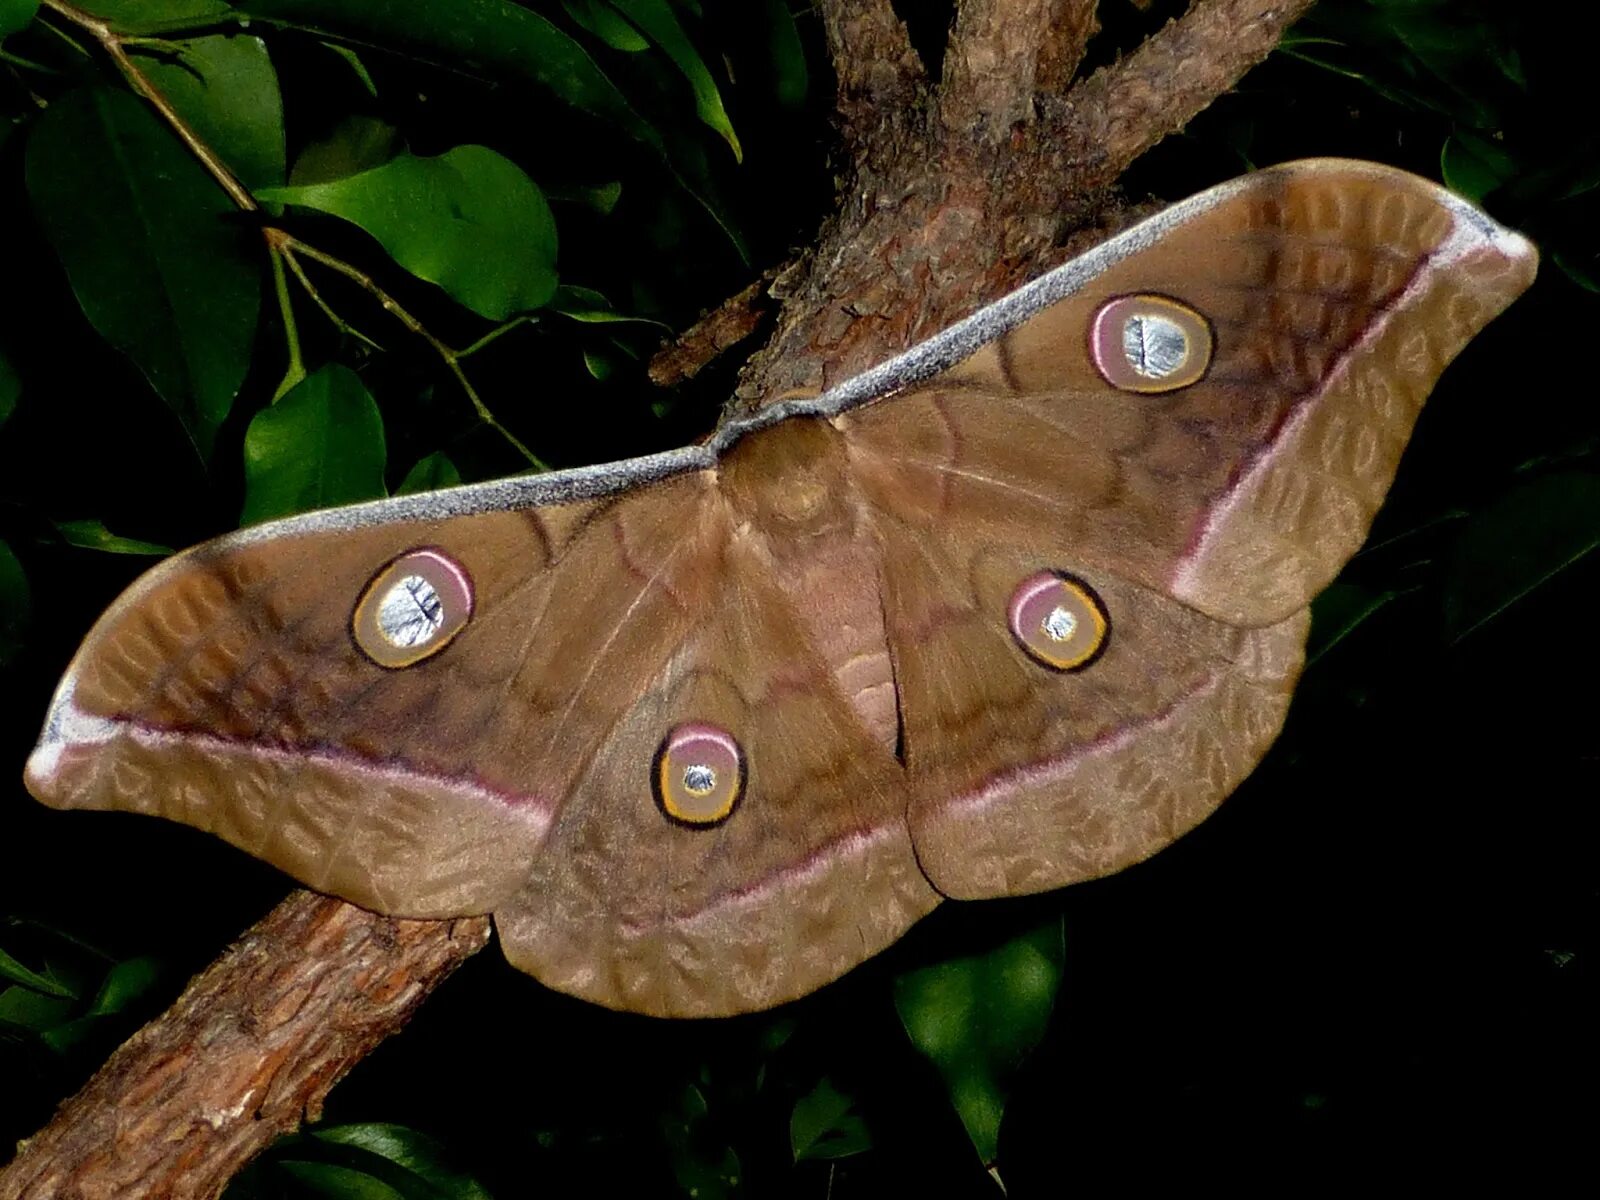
(978, 1017)
(1474, 166)
(16, 606)
(410, 1162)
(429, 475)
(14, 972)
(357, 143)
(1338, 612)
(16, 15)
(661, 25)
(591, 307)
(320, 445)
(126, 983)
(468, 220)
(786, 56)
(339, 1183)
(149, 245)
(703, 1164)
(1523, 542)
(490, 37)
(23, 1008)
(358, 68)
(92, 534)
(227, 89)
(10, 390)
(600, 19)
(135, 15)
(825, 1124)
(601, 198)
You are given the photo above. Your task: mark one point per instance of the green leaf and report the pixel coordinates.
(825, 1124)
(1338, 612)
(601, 198)
(469, 220)
(410, 1163)
(22, 1008)
(1474, 166)
(357, 67)
(703, 1164)
(92, 534)
(10, 390)
(606, 24)
(15, 972)
(357, 143)
(661, 24)
(227, 90)
(339, 1183)
(131, 16)
(429, 475)
(592, 308)
(125, 984)
(786, 56)
(320, 445)
(490, 37)
(16, 15)
(979, 1016)
(503, 41)
(143, 232)
(1521, 543)
(16, 606)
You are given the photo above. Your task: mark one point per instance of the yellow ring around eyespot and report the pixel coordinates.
(1099, 618)
(664, 790)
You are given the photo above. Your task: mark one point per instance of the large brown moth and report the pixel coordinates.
(707, 728)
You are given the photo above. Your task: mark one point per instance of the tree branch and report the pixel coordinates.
(1003, 56)
(248, 1052)
(880, 77)
(1122, 110)
(719, 330)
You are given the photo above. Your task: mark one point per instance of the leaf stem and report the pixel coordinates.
(290, 246)
(282, 244)
(116, 48)
(296, 369)
(496, 332)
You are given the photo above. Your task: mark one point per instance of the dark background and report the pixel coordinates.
(1377, 957)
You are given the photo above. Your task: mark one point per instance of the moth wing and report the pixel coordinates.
(1203, 510)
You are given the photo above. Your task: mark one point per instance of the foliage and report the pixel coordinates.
(488, 211)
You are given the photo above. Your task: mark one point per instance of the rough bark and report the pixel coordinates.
(248, 1053)
(951, 196)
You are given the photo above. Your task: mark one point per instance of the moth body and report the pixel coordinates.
(703, 730)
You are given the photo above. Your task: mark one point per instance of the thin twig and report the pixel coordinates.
(315, 295)
(296, 369)
(278, 241)
(290, 246)
(115, 46)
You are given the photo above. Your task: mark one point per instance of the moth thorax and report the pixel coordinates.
(791, 480)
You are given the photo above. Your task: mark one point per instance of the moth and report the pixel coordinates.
(705, 729)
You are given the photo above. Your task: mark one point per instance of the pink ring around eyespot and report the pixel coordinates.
(1108, 349)
(1056, 599)
(696, 750)
(451, 590)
